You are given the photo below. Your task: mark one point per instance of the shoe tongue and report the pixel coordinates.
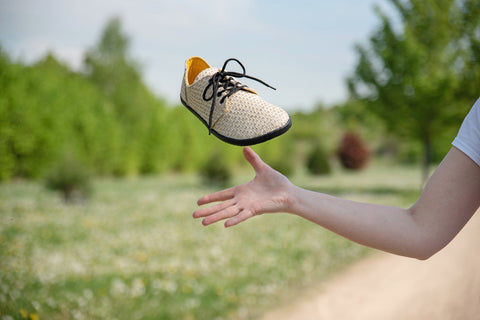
(206, 73)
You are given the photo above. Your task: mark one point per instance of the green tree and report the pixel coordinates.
(469, 46)
(409, 73)
(46, 108)
(109, 65)
(8, 74)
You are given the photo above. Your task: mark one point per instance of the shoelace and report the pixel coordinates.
(224, 79)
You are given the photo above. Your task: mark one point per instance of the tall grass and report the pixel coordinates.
(133, 250)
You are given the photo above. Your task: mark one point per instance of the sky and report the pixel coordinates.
(303, 48)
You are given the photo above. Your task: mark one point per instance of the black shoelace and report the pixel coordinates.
(224, 79)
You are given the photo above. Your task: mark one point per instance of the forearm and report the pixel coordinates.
(381, 227)
(447, 202)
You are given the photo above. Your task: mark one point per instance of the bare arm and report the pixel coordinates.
(449, 199)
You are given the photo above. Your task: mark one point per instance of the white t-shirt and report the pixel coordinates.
(468, 137)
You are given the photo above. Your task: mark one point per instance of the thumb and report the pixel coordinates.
(254, 159)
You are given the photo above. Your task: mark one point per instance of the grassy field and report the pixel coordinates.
(133, 250)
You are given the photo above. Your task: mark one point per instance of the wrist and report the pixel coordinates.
(293, 201)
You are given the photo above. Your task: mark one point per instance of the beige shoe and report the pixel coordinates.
(231, 111)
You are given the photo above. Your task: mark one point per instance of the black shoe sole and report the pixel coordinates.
(243, 142)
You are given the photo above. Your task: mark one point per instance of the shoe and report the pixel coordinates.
(229, 109)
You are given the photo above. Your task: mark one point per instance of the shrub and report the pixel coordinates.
(215, 170)
(318, 161)
(70, 177)
(352, 152)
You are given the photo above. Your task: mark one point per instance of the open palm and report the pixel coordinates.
(268, 192)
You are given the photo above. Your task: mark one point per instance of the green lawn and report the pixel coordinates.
(133, 250)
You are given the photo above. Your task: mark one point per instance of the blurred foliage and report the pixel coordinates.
(419, 74)
(318, 161)
(215, 170)
(413, 83)
(70, 177)
(279, 153)
(106, 116)
(117, 76)
(46, 107)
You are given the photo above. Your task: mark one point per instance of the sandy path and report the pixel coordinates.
(383, 286)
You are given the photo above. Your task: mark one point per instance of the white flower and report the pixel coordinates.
(118, 287)
(77, 314)
(192, 303)
(50, 302)
(138, 287)
(36, 305)
(88, 294)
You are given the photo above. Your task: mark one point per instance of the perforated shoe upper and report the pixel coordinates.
(232, 111)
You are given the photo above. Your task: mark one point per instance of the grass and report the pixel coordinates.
(133, 250)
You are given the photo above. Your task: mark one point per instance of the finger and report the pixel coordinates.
(224, 214)
(217, 196)
(213, 209)
(253, 158)
(242, 216)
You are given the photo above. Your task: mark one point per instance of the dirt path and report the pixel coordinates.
(383, 286)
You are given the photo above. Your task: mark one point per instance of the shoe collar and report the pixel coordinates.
(193, 67)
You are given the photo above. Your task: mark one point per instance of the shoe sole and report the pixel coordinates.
(243, 142)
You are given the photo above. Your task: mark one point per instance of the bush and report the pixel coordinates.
(352, 152)
(70, 177)
(215, 170)
(318, 161)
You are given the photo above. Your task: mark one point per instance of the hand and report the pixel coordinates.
(268, 192)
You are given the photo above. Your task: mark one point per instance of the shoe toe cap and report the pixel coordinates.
(250, 117)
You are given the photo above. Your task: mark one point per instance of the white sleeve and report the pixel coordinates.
(468, 137)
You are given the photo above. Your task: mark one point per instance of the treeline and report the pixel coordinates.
(47, 111)
(412, 85)
(114, 125)
(107, 119)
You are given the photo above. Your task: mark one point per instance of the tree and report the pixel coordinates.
(109, 65)
(410, 73)
(469, 45)
(46, 108)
